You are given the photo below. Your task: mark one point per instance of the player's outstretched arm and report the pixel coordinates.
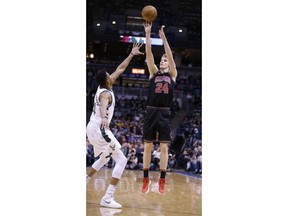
(149, 55)
(121, 68)
(172, 65)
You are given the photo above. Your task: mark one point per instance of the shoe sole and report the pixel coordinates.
(148, 187)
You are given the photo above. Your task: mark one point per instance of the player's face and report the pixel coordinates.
(164, 63)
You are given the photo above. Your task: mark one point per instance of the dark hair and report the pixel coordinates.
(101, 77)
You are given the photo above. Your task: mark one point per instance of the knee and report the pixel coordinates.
(100, 162)
(120, 158)
(148, 146)
(123, 160)
(164, 148)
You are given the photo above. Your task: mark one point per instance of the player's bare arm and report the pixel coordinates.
(149, 55)
(105, 99)
(121, 68)
(172, 65)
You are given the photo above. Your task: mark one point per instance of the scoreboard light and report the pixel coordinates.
(138, 71)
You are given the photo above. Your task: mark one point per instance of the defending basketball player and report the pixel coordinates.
(159, 100)
(100, 136)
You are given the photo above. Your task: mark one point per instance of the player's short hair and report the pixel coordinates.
(101, 77)
(164, 55)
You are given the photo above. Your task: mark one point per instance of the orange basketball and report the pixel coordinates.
(149, 13)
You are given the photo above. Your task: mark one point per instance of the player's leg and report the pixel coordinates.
(165, 140)
(100, 149)
(121, 161)
(146, 165)
(149, 136)
(97, 165)
(163, 155)
(163, 166)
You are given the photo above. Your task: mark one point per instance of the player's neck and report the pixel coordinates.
(166, 70)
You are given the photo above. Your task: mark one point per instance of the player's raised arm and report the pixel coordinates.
(121, 68)
(172, 65)
(149, 55)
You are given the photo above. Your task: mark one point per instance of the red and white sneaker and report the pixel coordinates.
(161, 184)
(146, 185)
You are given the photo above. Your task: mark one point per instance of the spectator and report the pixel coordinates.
(132, 160)
(156, 158)
(184, 160)
(171, 162)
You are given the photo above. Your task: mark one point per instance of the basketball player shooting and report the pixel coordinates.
(159, 101)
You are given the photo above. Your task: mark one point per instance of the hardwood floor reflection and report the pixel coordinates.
(183, 195)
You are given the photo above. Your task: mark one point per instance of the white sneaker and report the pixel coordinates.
(110, 203)
(109, 211)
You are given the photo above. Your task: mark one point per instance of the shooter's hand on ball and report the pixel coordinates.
(147, 27)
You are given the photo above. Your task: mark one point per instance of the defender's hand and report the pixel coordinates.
(135, 49)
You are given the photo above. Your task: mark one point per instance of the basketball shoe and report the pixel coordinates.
(110, 202)
(161, 184)
(146, 185)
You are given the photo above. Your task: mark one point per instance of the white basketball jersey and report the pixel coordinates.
(95, 116)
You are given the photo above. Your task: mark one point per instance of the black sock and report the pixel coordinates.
(162, 173)
(145, 171)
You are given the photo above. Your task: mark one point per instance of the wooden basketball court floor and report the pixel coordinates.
(183, 195)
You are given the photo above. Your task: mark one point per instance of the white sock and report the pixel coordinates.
(110, 190)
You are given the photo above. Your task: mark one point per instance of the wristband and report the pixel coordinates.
(105, 117)
(132, 54)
